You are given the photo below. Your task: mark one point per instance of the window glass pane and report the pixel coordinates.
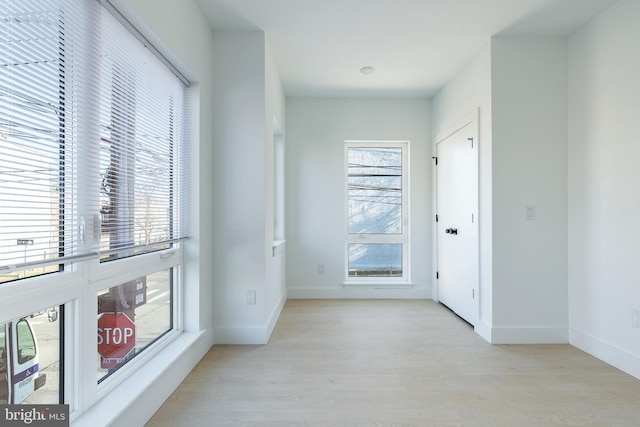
(375, 190)
(4, 383)
(31, 146)
(132, 316)
(91, 139)
(141, 110)
(375, 260)
(30, 359)
(136, 172)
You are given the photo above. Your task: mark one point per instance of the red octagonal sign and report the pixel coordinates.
(116, 339)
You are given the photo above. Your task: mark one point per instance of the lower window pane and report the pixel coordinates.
(30, 359)
(375, 260)
(29, 272)
(131, 317)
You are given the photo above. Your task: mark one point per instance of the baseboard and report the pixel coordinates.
(251, 335)
(528, 335)
(275, 315)
(483, 329)
(606, 352)
(360, 292)
(242, 335)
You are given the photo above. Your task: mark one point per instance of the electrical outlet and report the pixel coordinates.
(320, 268)
(635, 318)
(530, 213)
(251, 297)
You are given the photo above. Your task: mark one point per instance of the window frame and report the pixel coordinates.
(402, 238)
(278, 177)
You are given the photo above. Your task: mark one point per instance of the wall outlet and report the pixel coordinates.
(530, 213)
(320, 268)
(635, 318)
(251, 297)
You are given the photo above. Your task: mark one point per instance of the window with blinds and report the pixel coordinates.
(91, 140)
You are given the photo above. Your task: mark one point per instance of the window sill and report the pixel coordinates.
(387, 284)
(278, 247)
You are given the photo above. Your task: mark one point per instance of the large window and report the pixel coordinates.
(92, 187)
(377, 221)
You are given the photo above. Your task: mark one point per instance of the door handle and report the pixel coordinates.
(451, 231)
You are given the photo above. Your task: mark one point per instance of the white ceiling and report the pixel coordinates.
(416, 46)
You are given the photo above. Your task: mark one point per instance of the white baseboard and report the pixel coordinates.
(360, 292)
(527, 335)
(606, 352)
(275, 314)
(251, 335)
(483, 330)
(242, 335)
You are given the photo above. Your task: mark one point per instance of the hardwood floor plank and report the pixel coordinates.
(396, 363)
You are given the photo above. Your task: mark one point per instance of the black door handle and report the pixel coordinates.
(451, 231)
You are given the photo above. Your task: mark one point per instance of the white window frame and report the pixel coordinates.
(400, 238)
(278, 165)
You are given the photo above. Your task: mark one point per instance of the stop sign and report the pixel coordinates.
(116, 338)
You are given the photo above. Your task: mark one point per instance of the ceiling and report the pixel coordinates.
(415, 46)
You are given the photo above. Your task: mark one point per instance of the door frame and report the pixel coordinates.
(468, 120)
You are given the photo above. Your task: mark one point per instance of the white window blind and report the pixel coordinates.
(141, 106)
(91, 139)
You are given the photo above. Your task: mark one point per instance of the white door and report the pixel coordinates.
(457, 222)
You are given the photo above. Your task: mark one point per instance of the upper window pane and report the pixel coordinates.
(375, 190)
(141, 111)
(91, 140)
(32, 117)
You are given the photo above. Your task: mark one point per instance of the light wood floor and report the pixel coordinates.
(396, 363)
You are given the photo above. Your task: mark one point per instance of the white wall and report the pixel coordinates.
(276, 287)
(604, 200)
(519, 87)
(237, 187)
(529, 167)
(247, 97)
(469, 92)
(315, 180)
